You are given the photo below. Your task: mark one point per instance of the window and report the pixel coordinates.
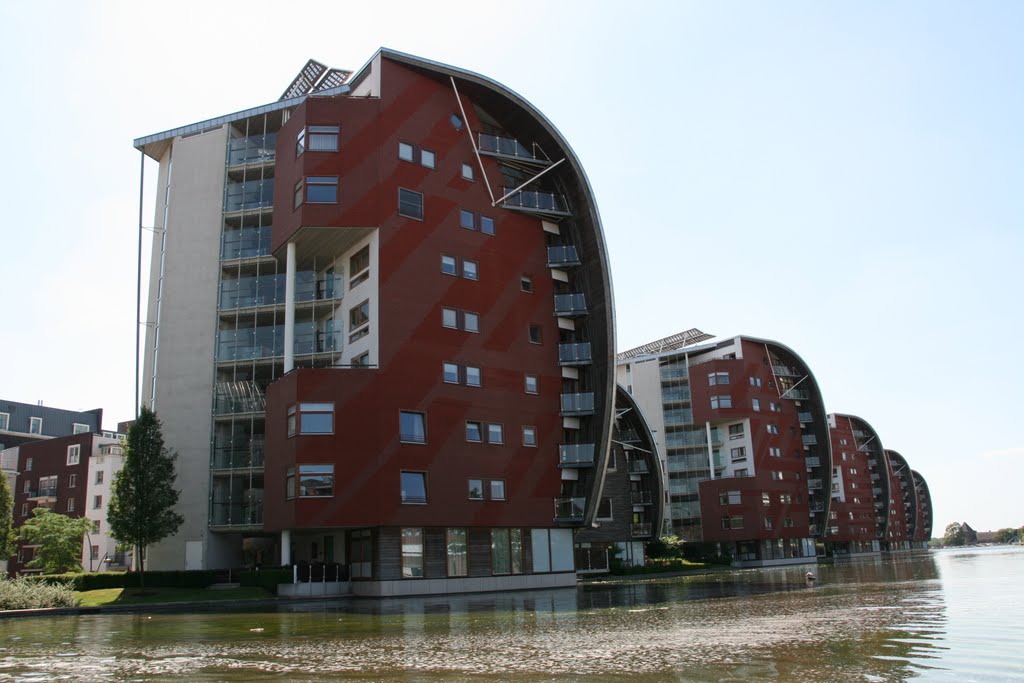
(79, 428)
(755, 404)
(359, 321)
(467, 171)
(742, 472)
(412, 427)
(738, 453)
(410, 204)
(316, 481)
(95, 526)
(529, 436)
(506, 551)
(71, 504)
(526, 284)
(97, 502)
(486, 225)
(99, 476)
(766, 499)
(604, 509)
(300, 142)
(775, 407)
(298, 194)
(535, 334)
(755, 381)
(455, 121)
(842, 442)
(27, 487)
(405, 151)
(729, 498)
(322, 189)
(715, 378)
(734, 522)
(74, 454)
(323, 138)
(5, 421)
(448, 265)
(414, 487)
(359, 267)
(428, 159)
(769, 523)
(787, 522)
(289, 483)
(412, 553)
(775, 452)
(735, 431)
(24, 509)
(458, 557)
(476, 489)
(361, 361)
(776, 475)
(721, 401)
(495, 433)
(785, 498)
(467, 219)
(531, 384)
(469, 270)
(311, 418)
(474, 432)
(472, 376)
(470, 322)
(450, 373)
(28, 464)
(72, 481)
(772, 428)
(450, 318)
(408, 152)
(35, 425)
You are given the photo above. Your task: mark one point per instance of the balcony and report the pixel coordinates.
(576, 455)
(570, 305)
(40, 494)
(796, 394)
(578, 404)
(817, 507)
(877, 491)
(786, 371)
(859, 433)
(638, 466)
(249, 195)
(236, 514)
(574, 354)
(255, 149)
(640, 530)
(498, 145)
(805, 418)
(563, 257)
(239, 405)
(570, 509)
(875, 477)
(814, 484)
(241, 458)
(880, 519)
(812, 462)
(809, 440)
(640, 497)
(535, 202)
(672, 373)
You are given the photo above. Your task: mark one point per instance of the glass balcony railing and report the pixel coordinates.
(796, 394)
(804, 418)
(675, 394)
(236, 514)
(809, 439)
(678, 417)
(532, 200)
(640, 530)
(269, 290)
(42, 493)
(638, 466)
(570, 305)
(640, 497)
(817, 507)
(245, 242)
(785, 371)
(876, 491)
(570, 508)
(812, 462)
(505, 146)
(576, 455)
(238, 458)
(574, 354)
(268, 342)
(578, 404)
(252, 149)
(250, 194)
(814, 484)
(563, 257)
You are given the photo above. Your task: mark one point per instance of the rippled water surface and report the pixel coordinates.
(945, 616)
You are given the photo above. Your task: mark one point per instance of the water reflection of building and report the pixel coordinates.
(400, 351)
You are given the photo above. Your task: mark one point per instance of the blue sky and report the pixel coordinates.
(842, 177)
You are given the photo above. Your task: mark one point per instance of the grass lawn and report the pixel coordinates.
(131, 596)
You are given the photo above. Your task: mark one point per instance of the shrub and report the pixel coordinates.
(24, 593)
(97, 580)
(265, 578)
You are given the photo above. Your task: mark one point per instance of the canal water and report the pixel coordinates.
(950, 615)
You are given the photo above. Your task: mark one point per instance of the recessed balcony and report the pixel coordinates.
(42, 494)
(640, 530)
(805, 418)
(254, 149)
(812, 462)
(814, 484)
(576, 455)
(785, 371)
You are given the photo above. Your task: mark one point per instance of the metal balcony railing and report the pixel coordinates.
(506, 146)
(251, 194)
(812, 462)
(574, 354)
(809, 439)
(576, 455)
(564, 256)
(236, 514)
(570, 509)
(638, 466)
(877, 491)
(785, 371)
(814, 484)
(796, 394)
(640, 530)
(817, 507)
(570, 305)
(640, 497)
(578, 404)
(534, 200)
(804, 418)
(252, 149)
(238, 458)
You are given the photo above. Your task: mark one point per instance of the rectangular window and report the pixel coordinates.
(300, 142)
(74, 454)
(486, 225)
(323, 138)
(735, 431)
(24, 509)
(293, 420)
(428, 159)
(450, 318)
(715, 378)
(71, 504)
(315, 418)
(604, 509)
(766, 499)
(458, 556)
(35, 425)
(96, 526)
(755, 381)
(322, 189)
(28, 464)
(316, 481)
(474, 432)
(405, 151)
(467, 219)
(772, 428)
(775, 452)
(506, 551)
(729, 498)
(787, 522)
(742, 472)
(414, 487)
(768, 523)
(531, 384)
(359, 321)
(755, 404)
(410, 204)
(842, 442)
(94, 552)
(775, 407)
(526, 284)
(535, 334)
(495, 433)
(469, 270)
(467, 171)
(412, 553)
(497, 489)
(735, 522)
(5, 421)
(97, 502)
(721, 401)
(359, 267)
(450, 373)
(448, 265)
(289, 483)
(476, 489)
(471, 322)
(473, 377)
(99, 476)
(298, 195)
(738, 453)
(412, 427)
(529, 436)
(776, 476)
(361, 361)
(785, 498)
(72, 481)
(79, 428)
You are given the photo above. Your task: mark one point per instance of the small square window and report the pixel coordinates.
(74, 454)
(450, 372)
(412, 427)
(410, 204)
(472, 376)
(78, 428)
(323, 138)
(427, 158)
(497, 489)
(35, 425)
(471, 322)
(405, 151)
(448, 265)
(529, 436)
(535, 334)
(476, 489)
(361, 361)
(495, 433)
(486, 225)
(531, 384)
(467, 171)
(474, 433)
(526, 284)
(450, 318)
(756, 404)
(469, 270)
(322, 189)
(414, 487)
(467, 219)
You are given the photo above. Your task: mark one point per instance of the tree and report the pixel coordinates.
(8, 537)
(954, 535)
(59, 538)
(141, 510)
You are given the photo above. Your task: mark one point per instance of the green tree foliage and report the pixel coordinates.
(1006, 535)
(8, 536)
(141, 510)
(59, 538)
(954, 535)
